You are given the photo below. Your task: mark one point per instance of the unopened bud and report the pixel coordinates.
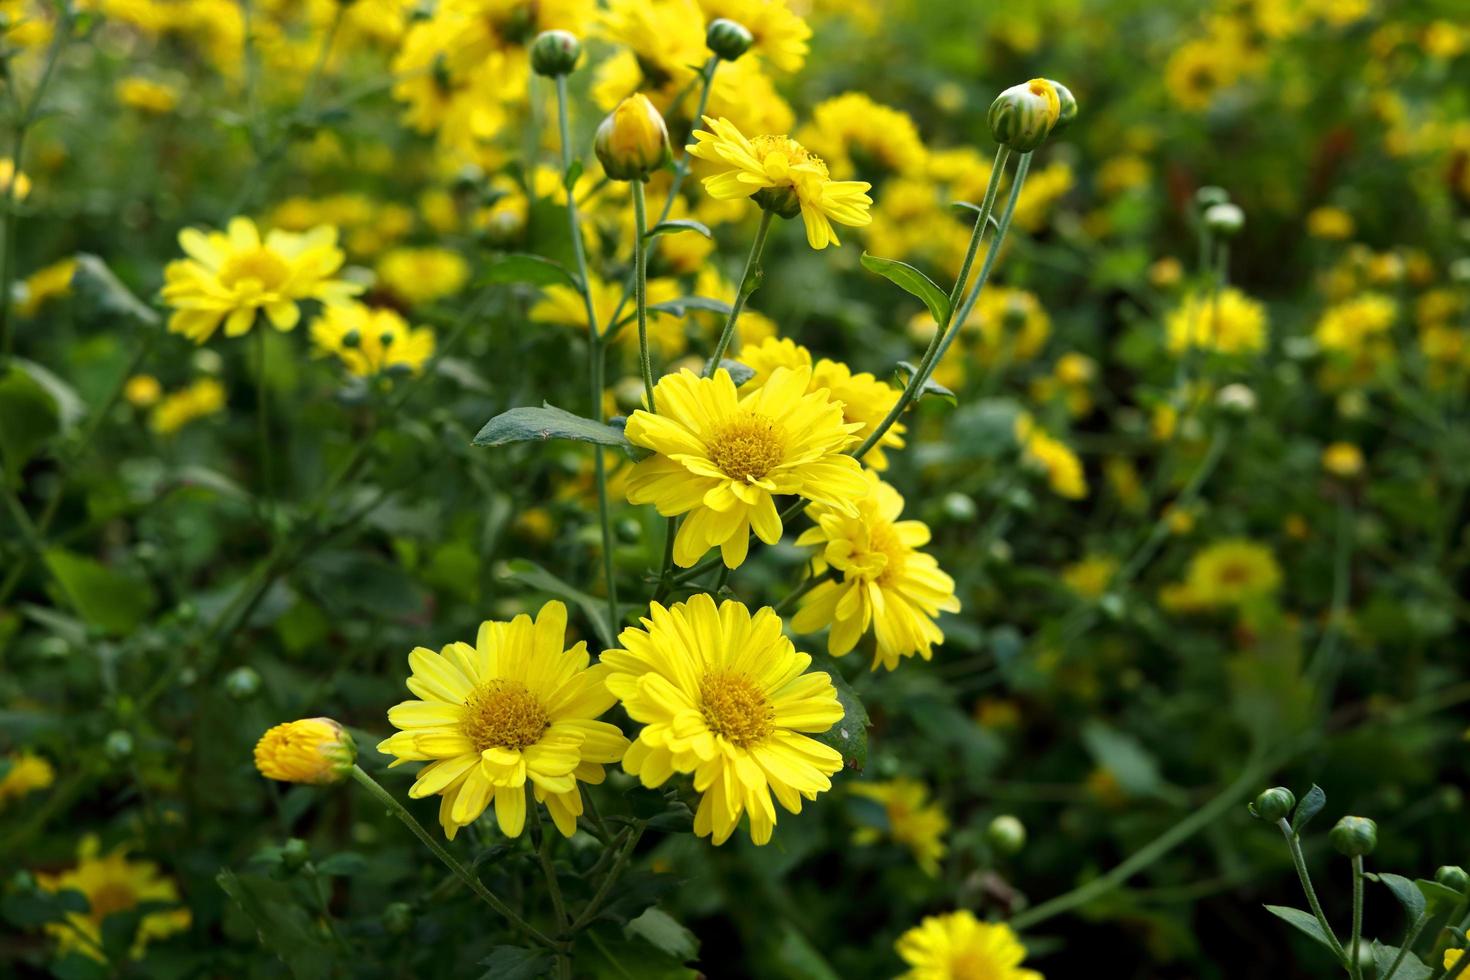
(1274, 804)
(1022, 116)
(1453, 877)
(1006, 834)
(555, 53)
(632, 141)
(317, 751)
(1354, 836)
(295, 853)
(728, 39)
(1225, 220)
(1210, 195)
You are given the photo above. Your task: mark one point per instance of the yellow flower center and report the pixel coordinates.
(113, 896)
(503, 714)
(778, 154)
(736, 708)
(260, 265)
(747, 447)
(972, 964)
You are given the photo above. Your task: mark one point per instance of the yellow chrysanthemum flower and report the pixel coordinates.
(1051, 456)
(422, 275)
(1090, 577)
(230, 276)
(1228, 573)
(8, 173)
(1348, 326)
(1229, 322)
(517, 706)
(371, 341)
(112, 884)
(45, 284)
(852, 127)
(564, 305)
(783, 177)
(885, 582)
(721, 459)
(1330, 223)
(147, 95)
(26, 773)
(959, 946)
(316, 751)
(1343, 459)
(725, 696)
(913, 821)
(204, 397)
(1009, 324)
(142, 391)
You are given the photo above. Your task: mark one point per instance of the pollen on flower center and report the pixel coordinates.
(503, 714)
(736, 708)
(259, 264)
(772, 150)
(747, 447)
(114, 896)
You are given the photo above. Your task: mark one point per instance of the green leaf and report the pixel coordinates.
(517, 963)
(931, 387)
(850, 735)
(673, 227)
(1412, 968)
(520, 267)
(1123, 755)
(34, 907)
(97, 283)
(1309, 806)
(528, 424)
(606, 954)
(1305, 921)
(912, 281)
(994, 222)
(1441, 894)
(104, 596)
(1409, 896)
(70, 408)
(531, 574)
(681, 306)
(739, 373)
(573, 174)
(662, 931)
(29, 417)
(281, 924)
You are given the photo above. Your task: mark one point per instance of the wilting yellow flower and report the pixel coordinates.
(1051, 456)
(45, 284)
(27, 773)
(142, 391)
(371, 341)
(112, 884)
(913, 820)
(1226, 321)
(885, 582)
(8, 173)
(517, 706)
(1331, 223)
(852, 127)
(1343, 459)
(958, 946)
(147, 95)
(783, 177)
(1348, 326)
(725, 696)
(232, 275)
(317, 751)
(1231, 572)
(1091, 576)
(721, 459)
(204, 397)
(422, 275)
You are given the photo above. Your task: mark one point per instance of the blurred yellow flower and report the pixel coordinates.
(1091, 576)
(113, 884)
(8, 175)
(317, 751)
(1052, 457)
(851, 128)
(1330, 223)
(422, 275)
(1343, 459)
(202, 398)
(24, 773)
(1346, 327)
(1226, 321)
(913, 821)
(1228, 573)
(44, 284)
(958, 946)
(147, 95)
(142, 390)
(370, 340)
(1166, 272)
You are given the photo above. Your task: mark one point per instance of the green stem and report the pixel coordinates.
(1355, 963)
(450, 861)
(1299, 861)
(640, 289)
(262, 413)
(1406, 945)
(749, 280)
(613, 874)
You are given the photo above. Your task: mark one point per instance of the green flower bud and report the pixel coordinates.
(632, 141)
(1006, 834)
(1354, 836)
(1274, 804)
(352, 339)
(1068, 107)
(555, 53)
(295, 853)
(1210, 194)
(242, 683)
(728, 39)
(1225, 220)
(118, 745)
(398, 918)
(959, 506)
(1022, 116)
(1454, 877)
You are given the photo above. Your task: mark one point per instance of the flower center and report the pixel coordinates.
(972, 965)
(747, 447)
(503, 714)
(736, 708)
(262, 265)
(114, 896)
(778, 154)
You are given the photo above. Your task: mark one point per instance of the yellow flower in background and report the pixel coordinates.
(1452, 957)
(231, 276)
(1343, 459)
(1330, 223)
(958, 946)
(1227, 322)
(1228, 573)
(422, 275)
(371, 341)
(723, 695)
(780, 35)
(1347, 327)
(142, 391)
(112, 884)
(1123, 173)
(44, 284)
(1044, 188)
(202, 398)
(565, 306)
(9, 175)
(1052, 457)
(1009, 324)
(147, 95)
(1166, 272)
(885, 582)
(24, 773)
(772, 353)
(1091, 576)
(913, 821)
(783, 177)
(316, 751)
(720, 459)
(517, 706)
(851, 128)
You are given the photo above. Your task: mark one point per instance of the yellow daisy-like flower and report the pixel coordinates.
(913, 820)
(1090, 577)
(886, 583)
(370, 341)
(783, 177)
(202, 398)
(1343, 459)
(852, 127)
(722, 459)
(1053, 457)
(564, 305)
(1331, 223)
(1348, 326)
(422, 275)
(147, 95)
(516, 707)
(142, 391)
(230, 276)
(1228, 573)
(26, 773)
(112, 884)
(725, 696)
(21, 179)
(45, 284)
(1229, 322)
(959, 946)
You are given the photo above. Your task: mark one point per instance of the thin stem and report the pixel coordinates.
(1355, 963)
(262, 413)
(749, 280)
(640, 288)
(450, 861)
(1299, 861)
(1407, 944)
(543, 842)
(613, 874)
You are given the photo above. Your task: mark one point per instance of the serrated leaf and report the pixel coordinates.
(516, 963)
(905, 371)
(912, 281)
(528, 424)
(683, 224)
(849, 735)
(520, 267)
(1304, 921)
(529, 573)
(281, 924)
(1408, 894)
(96, 282)
(1309, 806)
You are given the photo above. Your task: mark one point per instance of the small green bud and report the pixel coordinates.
(728, 39)
(398, 918)
(633, 140)
(295, 853)
(1225, 220)
(352, 339)
(1210, 195)
(1454, 877)
(959, 506)
(555, 53)
(1006, 833)
(1068, 107)
(386, 338)
(242, 683)
(1354, 836)
(1274, 804)
(118, 745)
(1022, 116)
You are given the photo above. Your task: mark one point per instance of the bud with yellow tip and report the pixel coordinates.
(632, 141)
(317, 751)
(1022, 116)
